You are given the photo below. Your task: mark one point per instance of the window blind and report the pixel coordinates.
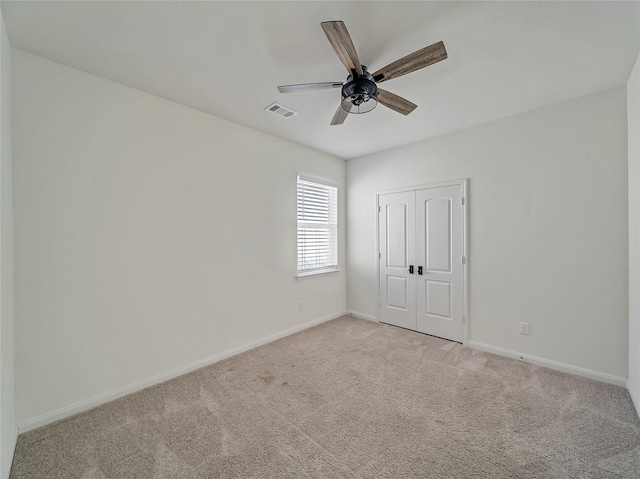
(317, 226)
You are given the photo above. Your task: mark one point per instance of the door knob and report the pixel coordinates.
(410, 269)
(419, 269)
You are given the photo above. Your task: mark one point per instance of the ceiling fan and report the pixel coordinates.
(360, 93)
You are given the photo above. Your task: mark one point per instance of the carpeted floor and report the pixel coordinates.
(349, 399)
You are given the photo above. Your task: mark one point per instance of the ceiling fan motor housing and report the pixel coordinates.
(359, 93)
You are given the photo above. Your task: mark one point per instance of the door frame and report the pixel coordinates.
(464, 183)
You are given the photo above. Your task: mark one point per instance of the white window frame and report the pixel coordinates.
(330, 225)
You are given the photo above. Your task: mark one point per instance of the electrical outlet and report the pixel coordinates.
(300, 306)
(524, 328)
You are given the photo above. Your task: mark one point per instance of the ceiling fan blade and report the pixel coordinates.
(308, 87)
(340, 115)
(341, 42)
(412, 62)
(395, 102)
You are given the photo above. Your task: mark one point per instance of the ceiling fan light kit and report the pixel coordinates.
(360, 93)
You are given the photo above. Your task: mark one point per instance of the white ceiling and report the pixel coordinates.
(226, 58)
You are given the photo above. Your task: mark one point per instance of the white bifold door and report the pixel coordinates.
(421, 238)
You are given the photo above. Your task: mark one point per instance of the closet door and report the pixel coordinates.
(397, 283)
(439, 261)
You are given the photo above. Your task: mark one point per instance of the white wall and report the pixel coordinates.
(148, 236)
(633, 125)
(7, 407)
(563, 267)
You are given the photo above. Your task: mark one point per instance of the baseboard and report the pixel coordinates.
(14, 442)
(547, 363)
(368, 317)
(95, 401)
(635, 399)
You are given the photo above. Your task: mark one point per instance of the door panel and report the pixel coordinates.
(438, 296)
(397, 252)
(397, 292)
(437, 213)
(397, 229)
(439, 248)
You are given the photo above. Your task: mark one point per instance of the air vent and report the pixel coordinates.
(280, 110)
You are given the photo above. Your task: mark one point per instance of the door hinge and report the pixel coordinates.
(379, 255)
(379, 209)
(464, 319)
(463, 201)
(464, 260)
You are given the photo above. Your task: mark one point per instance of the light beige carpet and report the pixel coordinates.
(349, 399)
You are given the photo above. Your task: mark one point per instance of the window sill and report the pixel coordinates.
(318, 272)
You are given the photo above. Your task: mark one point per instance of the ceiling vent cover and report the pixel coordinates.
(280, 110)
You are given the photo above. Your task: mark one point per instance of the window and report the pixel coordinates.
(317, 227)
